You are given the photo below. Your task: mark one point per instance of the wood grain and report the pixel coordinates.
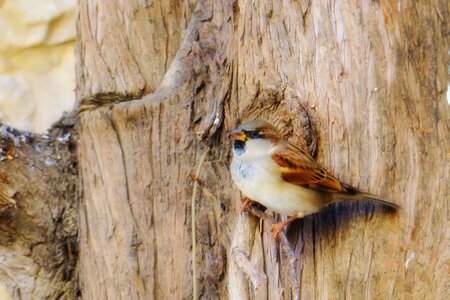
(362, 83)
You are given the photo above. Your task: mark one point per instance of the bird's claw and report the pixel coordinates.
(246, 205)
(276, 229)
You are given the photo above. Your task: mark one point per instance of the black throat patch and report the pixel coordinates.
(239, 147)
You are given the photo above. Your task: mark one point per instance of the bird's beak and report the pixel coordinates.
(237, 135)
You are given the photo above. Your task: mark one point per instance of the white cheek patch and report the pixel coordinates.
(258, 147)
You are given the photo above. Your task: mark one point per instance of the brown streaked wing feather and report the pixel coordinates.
(299, 168)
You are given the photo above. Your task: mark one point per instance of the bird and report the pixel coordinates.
(275, 173)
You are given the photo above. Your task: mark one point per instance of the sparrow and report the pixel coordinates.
(282, 177)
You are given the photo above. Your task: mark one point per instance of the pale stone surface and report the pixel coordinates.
(37, 76)
(4, 294)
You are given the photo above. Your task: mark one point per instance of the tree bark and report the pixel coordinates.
(361, 86)
(38, 214)
(371, 79)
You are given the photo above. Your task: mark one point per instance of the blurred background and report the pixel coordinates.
(37, 71)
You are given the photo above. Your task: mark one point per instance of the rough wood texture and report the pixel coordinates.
(38, 215)
(125, 47)
(360, 84)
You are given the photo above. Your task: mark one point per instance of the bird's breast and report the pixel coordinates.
(261, 182)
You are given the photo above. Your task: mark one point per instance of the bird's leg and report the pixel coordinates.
(276, 228)
(248, 203)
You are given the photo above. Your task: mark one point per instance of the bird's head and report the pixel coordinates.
(254, 138)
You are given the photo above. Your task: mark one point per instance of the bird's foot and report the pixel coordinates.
(248, 203)
(278, 227)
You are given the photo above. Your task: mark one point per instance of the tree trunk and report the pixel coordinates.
(38, 214)
(360, 85)
(363, 84)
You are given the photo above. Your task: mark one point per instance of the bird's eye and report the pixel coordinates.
(252, 134)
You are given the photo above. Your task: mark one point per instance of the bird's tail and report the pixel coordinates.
(379, 200)
(353, 194)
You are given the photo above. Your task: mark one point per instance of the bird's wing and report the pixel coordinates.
(299, 168)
